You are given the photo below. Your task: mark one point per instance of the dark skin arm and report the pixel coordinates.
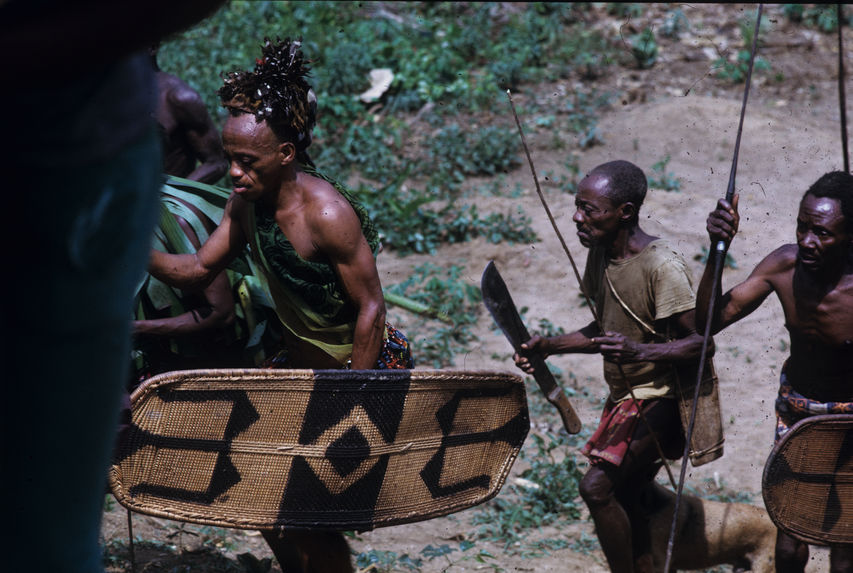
(744, 298)
(197, 270)
(337, 234)
(200, 134)
(616, 347)
(218, 313)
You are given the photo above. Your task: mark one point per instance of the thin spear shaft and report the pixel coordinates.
(592, 308)
(842, 98)
(719, 254)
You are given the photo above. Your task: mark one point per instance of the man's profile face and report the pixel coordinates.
(253, 156)
(822, 237)
(596, 217)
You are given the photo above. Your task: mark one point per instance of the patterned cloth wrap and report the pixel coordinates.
(791, 407)
(611, 439)
(396, 353)
(619, 427)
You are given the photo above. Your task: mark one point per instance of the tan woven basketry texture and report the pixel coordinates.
(330, 449)
(808, 481)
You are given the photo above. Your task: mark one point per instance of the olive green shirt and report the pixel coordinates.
(655, 284)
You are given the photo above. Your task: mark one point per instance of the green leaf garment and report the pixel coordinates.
(308, 297)
(156, 299)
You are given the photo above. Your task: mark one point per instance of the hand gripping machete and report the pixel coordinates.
(497, 299)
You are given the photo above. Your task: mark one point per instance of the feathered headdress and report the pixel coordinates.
(276, 91)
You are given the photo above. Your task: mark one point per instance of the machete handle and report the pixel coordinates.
(556, 396)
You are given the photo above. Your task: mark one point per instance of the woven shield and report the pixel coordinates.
(808, 481)
(321, 449)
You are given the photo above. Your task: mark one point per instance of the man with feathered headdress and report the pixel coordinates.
(312, 243)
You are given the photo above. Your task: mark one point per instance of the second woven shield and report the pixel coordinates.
(808, 480)
(324, 449)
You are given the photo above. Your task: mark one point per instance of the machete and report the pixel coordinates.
(497, 299)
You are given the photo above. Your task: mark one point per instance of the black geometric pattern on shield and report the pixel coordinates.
(513, 432)
(224, 474)
(381, 394)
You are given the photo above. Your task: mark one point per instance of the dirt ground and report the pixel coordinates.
(678, 109)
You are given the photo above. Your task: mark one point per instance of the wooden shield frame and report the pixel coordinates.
(320, 449)
(808, 481)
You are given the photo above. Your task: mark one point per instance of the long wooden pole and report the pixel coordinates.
(719, 254)
(842, 98)
(589, 303)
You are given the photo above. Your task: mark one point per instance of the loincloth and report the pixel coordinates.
(395, 354)
(791, 407)
(619, 427)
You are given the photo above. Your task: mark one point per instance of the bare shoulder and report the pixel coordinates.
(327, 205)
(780, 261)
(181, 97)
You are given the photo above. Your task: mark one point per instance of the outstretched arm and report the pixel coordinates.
(338, 235)
(216, 314)
(197, 270)
(582, 341)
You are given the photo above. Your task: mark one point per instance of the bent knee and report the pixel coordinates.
(596, 488)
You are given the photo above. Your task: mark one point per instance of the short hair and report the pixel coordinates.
(627, 182)
(836, 185)
(276, 92)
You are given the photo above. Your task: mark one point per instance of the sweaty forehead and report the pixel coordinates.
(821, 209)
(245, 130)
(594, 188)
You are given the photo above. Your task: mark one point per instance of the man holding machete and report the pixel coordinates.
(644, 296)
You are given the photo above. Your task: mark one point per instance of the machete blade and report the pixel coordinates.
(497, 299)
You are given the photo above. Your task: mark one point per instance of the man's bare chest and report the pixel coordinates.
(823, 315)
(296, 230)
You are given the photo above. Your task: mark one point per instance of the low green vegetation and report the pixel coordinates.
(662, 179)
(823, 17)
(455, 302)
(545, 494)
(421, 158)
(735, 71)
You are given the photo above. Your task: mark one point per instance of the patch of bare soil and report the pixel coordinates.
(678, 109)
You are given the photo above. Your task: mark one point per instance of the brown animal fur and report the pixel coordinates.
(710, 533)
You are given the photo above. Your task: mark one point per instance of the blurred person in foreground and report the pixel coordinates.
(83, 172)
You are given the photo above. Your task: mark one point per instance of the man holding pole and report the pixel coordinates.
(814, 282)
(644, 325)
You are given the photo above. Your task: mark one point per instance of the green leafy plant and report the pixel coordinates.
(675, 23)
(735, 71)
(625, 9)
(444, 551)
(819, 16)
(702, 257)
(661, 179)
(547, 494)
(445, 291)
(644, 48)
(386, 561)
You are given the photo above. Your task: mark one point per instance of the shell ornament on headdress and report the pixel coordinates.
(276, 91)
